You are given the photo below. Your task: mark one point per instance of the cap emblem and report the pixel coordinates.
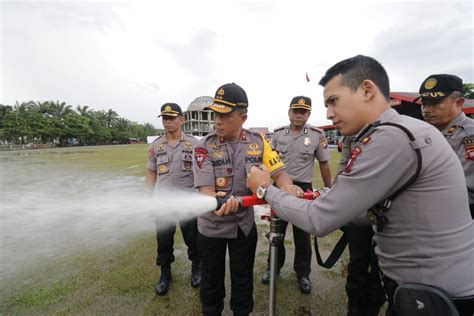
(301, 101)
(167, 108)
(430, 83)
(220, 93)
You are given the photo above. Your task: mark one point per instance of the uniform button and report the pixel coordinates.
(428, 140)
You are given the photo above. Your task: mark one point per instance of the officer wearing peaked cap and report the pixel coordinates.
(299, 144)
(222, 160)
(442, 101)
(170, 167)
(404, 177)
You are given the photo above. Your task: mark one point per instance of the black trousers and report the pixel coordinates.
(165, 241)
(303, 252)
(241, 261)
(363, 284)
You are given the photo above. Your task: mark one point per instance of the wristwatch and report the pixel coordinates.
(261, 190)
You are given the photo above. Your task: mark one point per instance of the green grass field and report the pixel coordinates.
(120, 280)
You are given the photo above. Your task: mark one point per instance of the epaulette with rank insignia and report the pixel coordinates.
(279, 129)
(156, 139)
(314, 128)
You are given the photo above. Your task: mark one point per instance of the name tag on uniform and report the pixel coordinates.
(307, 141)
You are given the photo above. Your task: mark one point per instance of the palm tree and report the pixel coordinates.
(111, 117)
(84, 110)
(60, 109)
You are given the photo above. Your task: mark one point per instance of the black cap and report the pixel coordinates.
(437, 87)
(229, 97)
(301, 102)
(170, 109)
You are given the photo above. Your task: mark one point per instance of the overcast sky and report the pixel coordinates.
(134, 56)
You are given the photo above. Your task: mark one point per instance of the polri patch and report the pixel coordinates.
(163, 168)
(221, 182)
(469, 148)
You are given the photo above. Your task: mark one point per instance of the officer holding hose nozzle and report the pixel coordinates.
(222, 160)
(403, 171)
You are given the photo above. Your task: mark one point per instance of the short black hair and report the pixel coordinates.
(355, 70)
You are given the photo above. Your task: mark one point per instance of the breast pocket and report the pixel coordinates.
(186, 162)
(162, 164)
(223, 178)
(306, 153)
(282, 150)
(251, 161)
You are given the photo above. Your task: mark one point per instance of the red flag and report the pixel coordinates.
(307, 78)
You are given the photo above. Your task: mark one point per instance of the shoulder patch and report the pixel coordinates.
(200, 154)
(469, 148)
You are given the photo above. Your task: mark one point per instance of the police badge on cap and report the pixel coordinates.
(301, 102)
(437, 87)
(170, 109)
(228, 98)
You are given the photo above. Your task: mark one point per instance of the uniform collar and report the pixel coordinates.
(303, 131)
(165, 139)
(387, 115)
(458, 119)
(243, 137)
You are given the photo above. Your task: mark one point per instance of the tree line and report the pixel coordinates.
(59, 123)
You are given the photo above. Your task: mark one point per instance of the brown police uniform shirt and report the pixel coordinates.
(299, 151)
(173, 165)
(225, 166)
(429, 238)
(460, 135)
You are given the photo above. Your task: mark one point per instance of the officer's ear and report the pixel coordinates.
(459, 102)
(369, 89)
(244, 118)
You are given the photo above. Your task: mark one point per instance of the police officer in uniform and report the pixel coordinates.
(365, 294)
(170, 165)
(222, 160)
(442, 101)
(404, 172)
(299, 144)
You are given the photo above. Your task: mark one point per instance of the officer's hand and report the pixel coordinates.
(293, 190)
(258, 176)
(230, 206)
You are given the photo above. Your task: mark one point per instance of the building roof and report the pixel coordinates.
(200, 103)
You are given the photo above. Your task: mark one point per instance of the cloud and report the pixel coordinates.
(193, 55)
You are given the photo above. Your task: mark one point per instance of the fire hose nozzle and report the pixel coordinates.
(223, 199)
(250, 200)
